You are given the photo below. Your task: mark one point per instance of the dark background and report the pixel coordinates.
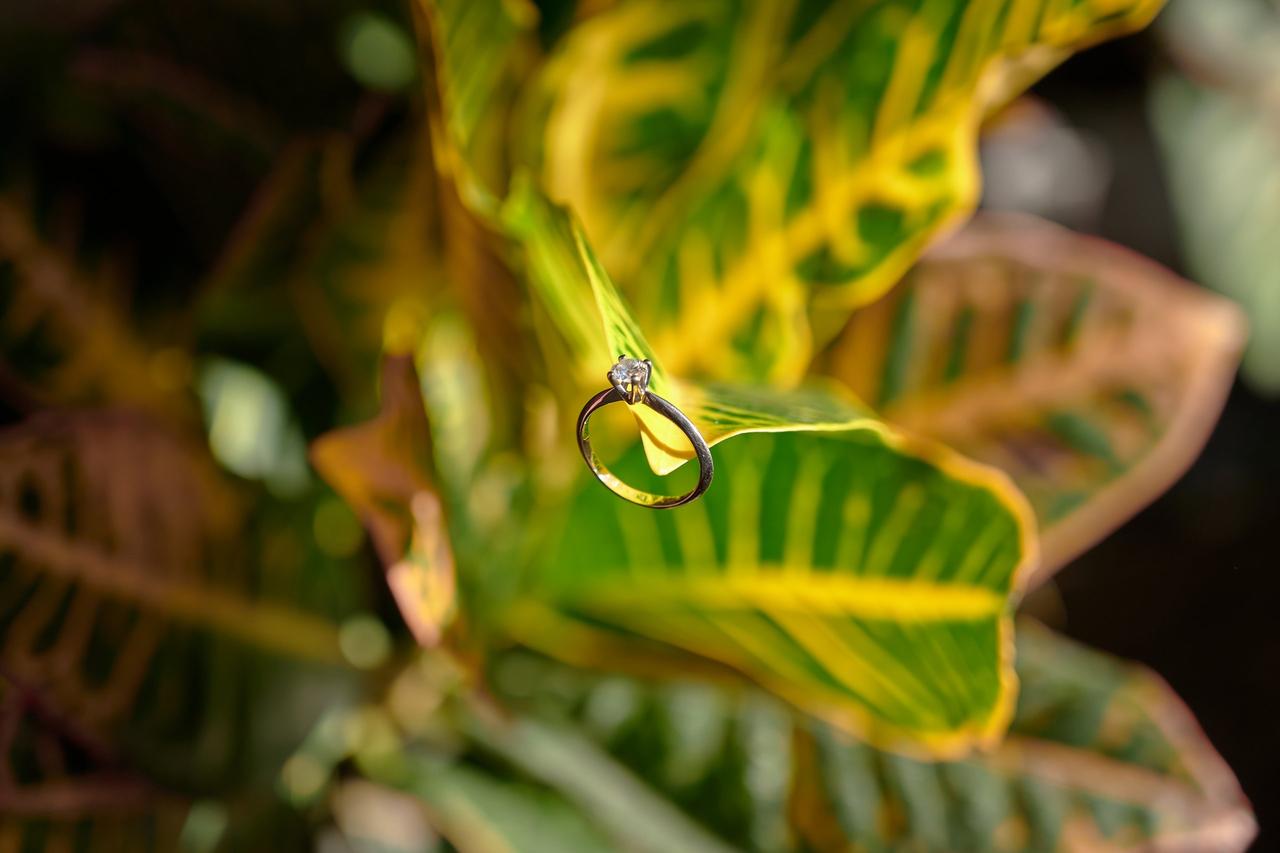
(1189, 586)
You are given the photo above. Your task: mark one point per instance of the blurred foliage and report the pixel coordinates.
(410, 239)
(1216, 117)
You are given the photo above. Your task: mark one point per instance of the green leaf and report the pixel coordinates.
(596, 326)
(1090, 375)
(477, 52)
(479, 812)
(856, 574)
(1222, 157)
(1101, 753)
(633, 815)
(750, 171)
(125, 602)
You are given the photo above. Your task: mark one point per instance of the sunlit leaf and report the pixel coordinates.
(477, 52)
(626, 810)
(596, 327)
(857, 575)
(126, 602)
(747, 167)
(1101, 754)
(384, 470)
(1090, 375)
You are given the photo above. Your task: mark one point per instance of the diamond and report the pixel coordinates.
(630, 373)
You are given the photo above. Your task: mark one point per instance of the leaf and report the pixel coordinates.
(1100, 754)
(1222, 157)
(384, 470)
(477, 52)
(62, 340)
(127, 606)
(857, 575)
(720, 752)
(617, 802)
(751, 171)
(59, 790)
(479, 812)
(1090, 375)
(596, 326)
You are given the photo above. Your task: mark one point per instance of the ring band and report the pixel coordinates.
(637, 392)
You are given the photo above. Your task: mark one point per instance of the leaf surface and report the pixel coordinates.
(125, 602)
(750, 171)
(859, 576)
(1100, 755)
(1088, 374)
(384, 470)
(596, 327)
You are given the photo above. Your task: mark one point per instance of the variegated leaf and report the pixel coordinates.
(1101, 755)
(750, 171)
(1090, 375)
(860, 576)
(126, 604)
(596, 326)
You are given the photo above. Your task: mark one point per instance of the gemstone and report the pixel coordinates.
(628, 372)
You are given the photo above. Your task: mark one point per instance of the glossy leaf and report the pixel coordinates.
(477, 51)
(1090, 375)
(1100, 754)
(859, 576)
(596, 326)
(125, 603)
(746, 168)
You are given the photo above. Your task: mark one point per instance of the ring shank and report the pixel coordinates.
(611, 480)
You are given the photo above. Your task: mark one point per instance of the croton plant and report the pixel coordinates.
(918, 415)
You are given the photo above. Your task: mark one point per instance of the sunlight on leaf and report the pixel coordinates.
(596, 326)
(835, 569)
(747, 168)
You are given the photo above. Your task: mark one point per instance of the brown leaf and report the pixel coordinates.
(384, 470)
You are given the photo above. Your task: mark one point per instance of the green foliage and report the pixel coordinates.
(748, 182)
(198, 650)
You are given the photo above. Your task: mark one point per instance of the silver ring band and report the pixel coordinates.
(616, 394)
